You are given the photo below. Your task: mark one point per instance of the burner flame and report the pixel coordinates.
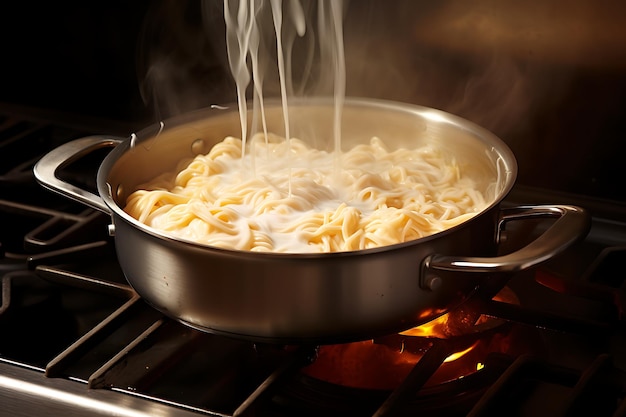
(434, 328)
(460, 354)
(383, 363)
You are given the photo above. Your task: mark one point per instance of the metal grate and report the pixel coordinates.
(60, 279)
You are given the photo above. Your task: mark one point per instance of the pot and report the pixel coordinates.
(312, 298)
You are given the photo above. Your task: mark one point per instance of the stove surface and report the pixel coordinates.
(75, 339)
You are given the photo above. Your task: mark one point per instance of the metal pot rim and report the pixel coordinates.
(490, 140)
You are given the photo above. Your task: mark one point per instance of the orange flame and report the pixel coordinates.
(460, 354)
(434, 328)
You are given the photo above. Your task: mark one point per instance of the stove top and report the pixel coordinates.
(76, 339)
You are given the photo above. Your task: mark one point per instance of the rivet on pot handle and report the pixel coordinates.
(46, 168)
(572, 224)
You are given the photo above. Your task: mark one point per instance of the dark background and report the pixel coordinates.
(548, 77)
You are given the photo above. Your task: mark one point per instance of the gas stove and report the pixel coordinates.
(75, 339)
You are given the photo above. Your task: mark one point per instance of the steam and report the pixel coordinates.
(198, 54)
(249, 40)
(300, 42)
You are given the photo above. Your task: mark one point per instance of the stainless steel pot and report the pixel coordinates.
(316, 298)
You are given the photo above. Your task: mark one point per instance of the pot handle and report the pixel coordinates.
(573, 223)
(46, 168)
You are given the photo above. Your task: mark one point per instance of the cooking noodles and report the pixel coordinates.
(269, 194)
(380, 197)
(320, 297)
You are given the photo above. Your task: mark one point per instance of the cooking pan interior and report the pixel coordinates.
(171, 145)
